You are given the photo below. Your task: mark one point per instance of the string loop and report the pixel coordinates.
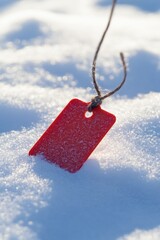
(95, 102)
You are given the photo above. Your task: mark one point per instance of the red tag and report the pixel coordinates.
(72, 137)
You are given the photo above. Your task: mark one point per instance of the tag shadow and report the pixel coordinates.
(95, 203)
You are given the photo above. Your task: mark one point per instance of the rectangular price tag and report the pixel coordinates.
(72, 137)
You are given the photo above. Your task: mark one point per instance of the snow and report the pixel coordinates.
(45, 61)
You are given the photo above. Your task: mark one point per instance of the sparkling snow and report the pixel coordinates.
(46, 50)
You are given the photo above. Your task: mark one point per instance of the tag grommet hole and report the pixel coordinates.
(88, 114)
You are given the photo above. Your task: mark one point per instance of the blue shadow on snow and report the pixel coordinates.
(6, 3)
(27, 31)
(14, 119)
(149, 6)
(96, 204)
(143, 75)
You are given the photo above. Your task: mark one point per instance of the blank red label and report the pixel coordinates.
(72, 137)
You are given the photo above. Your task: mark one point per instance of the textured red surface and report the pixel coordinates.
(72, 137)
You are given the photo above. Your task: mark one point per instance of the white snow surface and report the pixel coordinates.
(46, 51)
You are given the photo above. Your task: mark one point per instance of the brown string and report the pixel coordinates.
(98, 99)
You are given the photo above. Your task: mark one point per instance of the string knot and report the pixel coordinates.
(95, 102)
